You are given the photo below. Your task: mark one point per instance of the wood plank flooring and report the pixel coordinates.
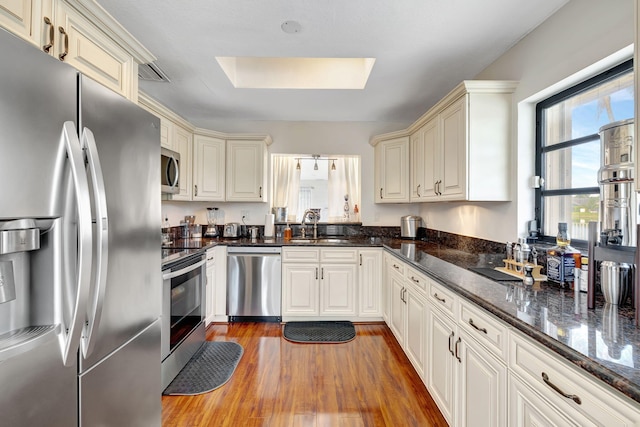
(366, 382)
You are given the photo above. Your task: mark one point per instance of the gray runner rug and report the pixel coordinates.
(209, 368)
(319, 332)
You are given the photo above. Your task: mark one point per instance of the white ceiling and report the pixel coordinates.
(423, 48)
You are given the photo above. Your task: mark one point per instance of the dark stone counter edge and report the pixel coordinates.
(618, 382)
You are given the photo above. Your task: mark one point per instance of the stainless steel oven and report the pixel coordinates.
(183, 312)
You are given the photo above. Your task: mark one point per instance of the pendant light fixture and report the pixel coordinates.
(315, 158)
(298, 165)
(333, 165)
(315, 165)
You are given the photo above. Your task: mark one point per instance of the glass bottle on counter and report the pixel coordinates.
(562, 259)
(287, 232)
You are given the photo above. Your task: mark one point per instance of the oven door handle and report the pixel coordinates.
(185, 270)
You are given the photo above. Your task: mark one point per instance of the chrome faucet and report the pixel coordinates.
(312, 214)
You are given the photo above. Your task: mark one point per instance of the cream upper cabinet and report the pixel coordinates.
(392, 171)
(183, 144)
(82, 34)
(91, 51)
(460, 148)
(17, 17)
(425, 163)
(208, 168)
(166, 133)
(246, 171)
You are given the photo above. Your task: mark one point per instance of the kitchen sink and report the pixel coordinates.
(321, 240)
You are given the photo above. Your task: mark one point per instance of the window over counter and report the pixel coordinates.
(329, 183)
(568, 148)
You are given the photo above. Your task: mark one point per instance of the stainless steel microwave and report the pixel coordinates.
(169, 171)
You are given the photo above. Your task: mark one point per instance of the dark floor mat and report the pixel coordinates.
(209, 368)
(319, 332)
(495, 274)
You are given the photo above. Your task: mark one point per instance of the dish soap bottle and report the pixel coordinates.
(562, 259)
(287, 232)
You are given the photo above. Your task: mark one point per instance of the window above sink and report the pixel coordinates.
(330, 183)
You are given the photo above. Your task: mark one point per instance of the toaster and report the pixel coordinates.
(231, 230)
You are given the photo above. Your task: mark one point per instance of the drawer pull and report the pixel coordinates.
(396, 267)
(415, 280)
(476, 326)
(442, 300)
(450, 338)
(573, 397)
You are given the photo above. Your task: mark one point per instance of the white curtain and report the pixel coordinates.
(344, 181)
(286, 183)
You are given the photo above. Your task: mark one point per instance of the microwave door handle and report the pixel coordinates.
(70, 336)
(99, 279)
(177, 177)
(185, 270)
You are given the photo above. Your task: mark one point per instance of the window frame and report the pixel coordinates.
(541, 150)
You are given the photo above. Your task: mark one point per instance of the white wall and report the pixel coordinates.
(305, 138)
(559, 53)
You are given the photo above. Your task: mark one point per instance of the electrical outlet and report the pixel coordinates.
(245, 215)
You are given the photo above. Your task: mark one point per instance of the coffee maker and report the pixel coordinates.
(612, 250)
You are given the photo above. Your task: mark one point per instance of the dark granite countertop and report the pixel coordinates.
(604, 342)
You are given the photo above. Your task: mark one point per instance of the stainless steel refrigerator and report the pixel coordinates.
(80, 272)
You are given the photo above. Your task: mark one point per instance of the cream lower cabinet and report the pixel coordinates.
(210, 287)
(208, 168)
(370, 283)
(550, 391)
(324, 283)
(442, 363)
(220, 285)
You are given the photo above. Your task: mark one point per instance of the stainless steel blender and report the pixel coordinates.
(212, 222)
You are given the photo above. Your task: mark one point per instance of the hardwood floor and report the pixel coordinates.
(366, 382)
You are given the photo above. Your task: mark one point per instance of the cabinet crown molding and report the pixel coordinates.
(112, 28)
(465, 87)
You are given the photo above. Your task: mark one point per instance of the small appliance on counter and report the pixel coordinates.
(409, 225)
(231, 230)
(212, 223)
(280, 213)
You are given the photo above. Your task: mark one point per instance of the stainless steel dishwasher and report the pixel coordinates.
(254, 283)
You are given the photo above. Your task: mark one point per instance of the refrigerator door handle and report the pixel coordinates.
(70, 336)
(99, 279)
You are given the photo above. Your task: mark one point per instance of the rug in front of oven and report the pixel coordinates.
(209, 368)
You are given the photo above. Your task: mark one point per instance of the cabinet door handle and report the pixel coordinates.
(442, 300)
(47, 47)
(261, 192)
(322, 273)
(457, 348)
(476, 326)
(418, 190)
(435, 188)
(66, 44)
(195, 190)
(381, 192)
(316, 273)
(439, 192)
(548, 382)
(361, 259)
(450, 348)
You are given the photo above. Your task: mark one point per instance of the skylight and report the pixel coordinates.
(296, 73)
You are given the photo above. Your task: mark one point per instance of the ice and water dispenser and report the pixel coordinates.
(612, 249)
